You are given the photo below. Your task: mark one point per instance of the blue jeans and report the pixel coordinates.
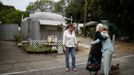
(68, 51)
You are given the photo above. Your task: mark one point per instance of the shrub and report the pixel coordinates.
(19, 37)
(37, 48)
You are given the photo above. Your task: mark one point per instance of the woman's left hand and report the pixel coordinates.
(75, 45)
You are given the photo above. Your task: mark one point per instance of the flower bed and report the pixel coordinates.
(38, 48)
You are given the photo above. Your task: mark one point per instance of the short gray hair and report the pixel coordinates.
(98, 26)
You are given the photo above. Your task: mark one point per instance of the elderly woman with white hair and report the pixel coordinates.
(95, 55)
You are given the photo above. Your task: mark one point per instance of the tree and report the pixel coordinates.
(76, 10)
(41, 5)
(59, 7)
(14, 17)
(5, 7)
(117, 11)
(8, 14)
(125, 17)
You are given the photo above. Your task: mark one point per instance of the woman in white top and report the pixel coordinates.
(107, 50)
(70, 43)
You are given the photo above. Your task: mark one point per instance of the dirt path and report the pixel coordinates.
(124, 48)
(121, 48)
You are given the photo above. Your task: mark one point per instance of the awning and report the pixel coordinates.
(51, 23)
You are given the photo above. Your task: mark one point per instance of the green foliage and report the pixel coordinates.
(13, 17)
(8, 14)
(5, 7)
(37, 48)
(90, 31)
(120, 12)
(19, 37)
(40, 5)
(76, 10)
(59, 6)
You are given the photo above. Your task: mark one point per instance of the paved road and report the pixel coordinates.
(126, 68)
(14, 61)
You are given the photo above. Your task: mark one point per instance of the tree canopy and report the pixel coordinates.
(119, 12)
(75, 9)
(40, 5)
(8, 14)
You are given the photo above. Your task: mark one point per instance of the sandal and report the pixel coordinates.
(67, 69)
(74, 69)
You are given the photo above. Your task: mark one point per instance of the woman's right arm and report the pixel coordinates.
(95, 41)
(102, 36)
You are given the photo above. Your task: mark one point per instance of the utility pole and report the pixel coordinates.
(85, 15)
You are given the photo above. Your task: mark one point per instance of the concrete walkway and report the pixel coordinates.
(14, 61)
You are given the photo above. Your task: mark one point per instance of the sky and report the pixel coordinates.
(19, 4)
